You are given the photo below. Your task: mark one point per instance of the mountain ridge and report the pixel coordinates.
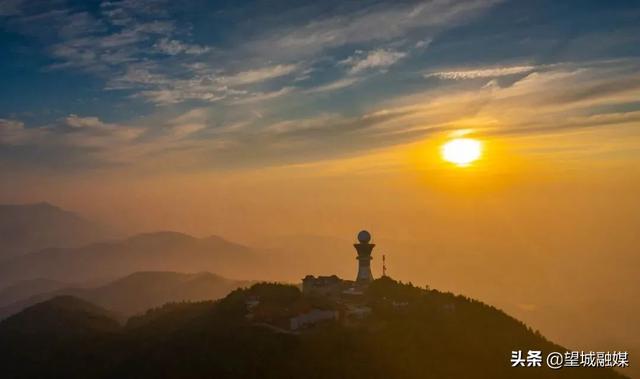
(33, 226)
(62, 315)
(157, 251)
(139, 291)
(429, 336)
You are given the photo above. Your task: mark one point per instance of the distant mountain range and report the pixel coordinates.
(432, 335)
(47, 252)
(134, 293)
(162, 251)
(25, 289)
(30, 227)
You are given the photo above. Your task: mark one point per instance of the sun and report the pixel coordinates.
(462, 151)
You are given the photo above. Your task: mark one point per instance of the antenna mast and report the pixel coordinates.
(384, 265)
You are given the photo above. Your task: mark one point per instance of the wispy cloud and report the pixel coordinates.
(375, 59)
(546, 102)
(335, 85)
(204, 85)
(258, 74)
(175, 47)
(490, 72)
(138, 47)
(364, 25)
(13, 132)
(261, 96)
(71, 143)
(273, 89)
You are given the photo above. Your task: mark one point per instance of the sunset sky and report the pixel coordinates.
(249, 119)
(271, 119)
(221, 117)
(163, 87)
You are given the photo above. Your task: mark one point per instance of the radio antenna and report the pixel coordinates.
(384, 265)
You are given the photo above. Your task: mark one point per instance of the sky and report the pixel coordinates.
(246, 118)
(268, 121)
(201, 86)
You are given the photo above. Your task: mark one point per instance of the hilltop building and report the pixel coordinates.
(333, 286)
(347, 294)
(322, 285)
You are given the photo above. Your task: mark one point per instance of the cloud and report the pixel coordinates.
(422, 44)
(119, 42)
(176, 95)
(333, 86)
(375, 59)
(190, 122)
(144, 54)
(549, 102)
(71, 131)
(258, 75)
(491, 72)
(70, 144)
(174, 47)
(553, 100)
(96, 52)
(13, 132)
(262, 96)
(125, 13)
(140, 48)
(205, 86)
(138, 75)
(364, 25)
(76, 121)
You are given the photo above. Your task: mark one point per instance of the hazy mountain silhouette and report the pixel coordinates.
(25, 289)
(435, 335)
(162, 251)
(140, 291)
(29, 227)
(61, 316)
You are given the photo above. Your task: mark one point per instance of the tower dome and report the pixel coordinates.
(364, 236)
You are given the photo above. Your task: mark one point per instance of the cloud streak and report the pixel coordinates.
(364, 25)
(492, 72)
(545, 102)
(138, 47)
(375, 59)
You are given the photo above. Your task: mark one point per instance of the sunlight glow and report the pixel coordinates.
(461, 151)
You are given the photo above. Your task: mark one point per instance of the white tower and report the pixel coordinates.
(364, 248)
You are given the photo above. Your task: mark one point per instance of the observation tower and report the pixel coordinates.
(364, 248)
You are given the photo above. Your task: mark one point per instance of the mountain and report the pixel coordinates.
(25, 289)
(29, 227)
(143, 290)
(61, 316)
(410, 333)
(61, 330)
(162, 251)
(140, 291)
